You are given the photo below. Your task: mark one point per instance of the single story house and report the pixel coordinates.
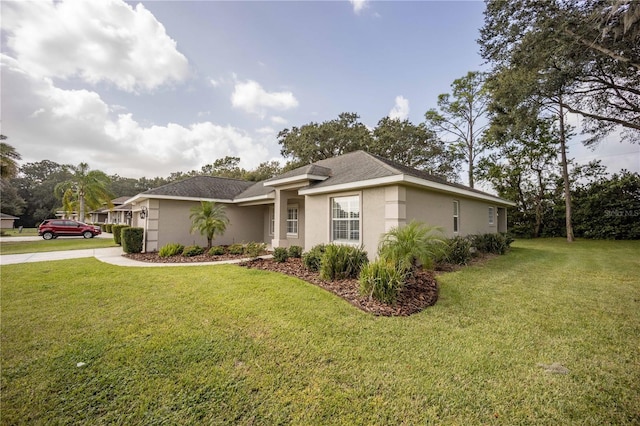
(349, 199)
(120, 213)
(7, 221)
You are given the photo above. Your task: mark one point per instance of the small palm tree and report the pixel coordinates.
(410, 245)
(209, 219)
(85, 188)
(8, 160)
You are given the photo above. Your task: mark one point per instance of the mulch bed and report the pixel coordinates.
(418, 294)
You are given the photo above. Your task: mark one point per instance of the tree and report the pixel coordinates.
(522, 168)
(414, 146)
(8, 160)
(314, 142)
(86, 188)
(265, 170)
(588, 52)
(209, 219)
(460, 116)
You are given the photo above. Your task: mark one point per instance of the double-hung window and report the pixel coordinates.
(345, 219)
(456, 216)
(491, 215)
(292, 220)
(272, 220)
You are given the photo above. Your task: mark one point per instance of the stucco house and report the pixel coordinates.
(7, 221)
(120, 213)
(350, 199)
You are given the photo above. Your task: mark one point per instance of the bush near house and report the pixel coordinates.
(295, 252)
(171, 249)
(236, 249)
(117, 236)
(132, 239)
(216, 251)
(254, 249)
(491, 243)
(190, 251)
(312, 259)
(107, 227)
(382, 281)
(340, 262)
(280, 254)
(458, 251)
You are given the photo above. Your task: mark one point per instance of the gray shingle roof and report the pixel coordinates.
(203, 187)
(309, 169)
(255, 190)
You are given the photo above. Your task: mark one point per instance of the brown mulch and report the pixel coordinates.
(419, 293)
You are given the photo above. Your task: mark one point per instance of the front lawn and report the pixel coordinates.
(62, 243)
(89, 343)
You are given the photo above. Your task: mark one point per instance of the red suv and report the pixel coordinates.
(54, 228)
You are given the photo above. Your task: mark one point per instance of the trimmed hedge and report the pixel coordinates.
(280, 254)
(313, 258)
(107, 227)
(132, 239)
(295, 252)
(216, 251)
(116, 229)
(236, 249)
(190, 251)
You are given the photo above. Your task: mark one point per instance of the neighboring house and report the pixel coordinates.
(6, 221)
(350, 199)
(120, 213)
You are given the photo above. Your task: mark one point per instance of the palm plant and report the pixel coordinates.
(209, 219)
(86, 188)
(411, 245)
(8, 160)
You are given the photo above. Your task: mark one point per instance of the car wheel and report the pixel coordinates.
(87, 234)
(48, 235)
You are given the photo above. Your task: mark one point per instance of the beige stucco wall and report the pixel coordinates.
(436, 209)
(6, 223)
(385, 207)
(168, 222)
(283, 200)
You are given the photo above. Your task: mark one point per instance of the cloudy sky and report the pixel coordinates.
(153, 87)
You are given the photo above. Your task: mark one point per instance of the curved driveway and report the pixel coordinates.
(111, 255)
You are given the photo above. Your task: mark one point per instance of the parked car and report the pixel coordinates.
(54, 228)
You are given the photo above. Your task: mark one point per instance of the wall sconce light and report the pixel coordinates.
(129, 215)
(143, 212)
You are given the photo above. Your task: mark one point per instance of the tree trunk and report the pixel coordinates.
(81, 212)
(539, 198)
(565, 174)
(471, 166)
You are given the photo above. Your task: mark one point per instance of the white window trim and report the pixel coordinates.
(492, 215)
(272, 221)
(346, 242)
(296, 220)
(456, 216)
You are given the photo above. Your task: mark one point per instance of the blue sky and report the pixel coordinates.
(149, 88)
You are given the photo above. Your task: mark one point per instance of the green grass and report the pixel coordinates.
(226, 345)
(63, 243)
(26, 232)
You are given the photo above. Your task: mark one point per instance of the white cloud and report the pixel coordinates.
(251, 97)
(97, 41)
(358, 5)
(401, 109)
(265, 130)
(278, 120)
(214, 83)
(71, 126)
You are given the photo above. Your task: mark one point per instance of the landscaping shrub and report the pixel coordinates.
(254, 249)
(382, 281)
(491, 243)
(411, 245)
(190, 251)
(171, 249)
(103, 227)
(117, 236)
(295, 252)
(216, 251)
(236, 249)
(312, 259)
(458, 251)
(107, 227)
(132, 239)
(280, 254)
(340, 261)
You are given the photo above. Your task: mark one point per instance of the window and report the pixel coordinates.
(345, 219)
(491, 215)
(292, 220)
(456, 216)
(272, 220)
